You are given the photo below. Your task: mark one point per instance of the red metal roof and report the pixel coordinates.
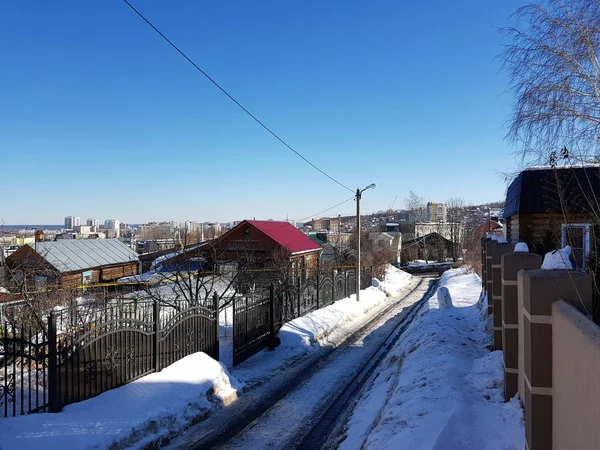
(286, 235)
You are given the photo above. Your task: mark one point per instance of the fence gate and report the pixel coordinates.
(251, 324)
(112, 349)
(120, 343)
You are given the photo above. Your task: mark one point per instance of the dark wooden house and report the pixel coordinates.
(431, 247)
(551, 207)
(264, 245)
(72, 263)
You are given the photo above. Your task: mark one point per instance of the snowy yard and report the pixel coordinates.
(440, 387)
(161, 404)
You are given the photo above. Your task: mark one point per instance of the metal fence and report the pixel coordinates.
(87, 351)
(23, 371)
(257, 317)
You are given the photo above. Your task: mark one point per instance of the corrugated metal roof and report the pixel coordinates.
(286, 235)
(77, 255)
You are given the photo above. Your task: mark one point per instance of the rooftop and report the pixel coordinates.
(77, 255)
(286, 235)
(546, 189)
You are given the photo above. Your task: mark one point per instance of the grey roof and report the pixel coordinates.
(77, 255)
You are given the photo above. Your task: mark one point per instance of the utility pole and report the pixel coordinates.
(358, 196)
(358, 192)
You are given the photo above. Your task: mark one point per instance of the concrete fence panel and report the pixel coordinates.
(539, 290)
(575, 378)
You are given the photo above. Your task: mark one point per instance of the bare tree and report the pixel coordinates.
(552, 59)
(456, 218)
(415, 205)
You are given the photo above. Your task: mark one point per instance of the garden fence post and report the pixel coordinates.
(318, 287)
(156, 314)
(332, 285)
(345, 283)
(271, 317)
(217, 325)
(53, 388)
(299, 295)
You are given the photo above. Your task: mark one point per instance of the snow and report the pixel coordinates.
(309, 333)
(521, 247)
(444, 298)
(162, 404)
(439, 387)
(558, 260)
(153, 406)
(501, 240)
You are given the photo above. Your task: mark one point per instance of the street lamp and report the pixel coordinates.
(358, 194)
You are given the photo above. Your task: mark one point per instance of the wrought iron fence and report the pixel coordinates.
(252, 324)
(23, 371)
(259, 316)
(87, 351)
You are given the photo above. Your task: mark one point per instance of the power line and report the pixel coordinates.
(233, 99)
(325, 210)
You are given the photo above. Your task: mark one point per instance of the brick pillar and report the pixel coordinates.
(540, 288)
(495, 295)
(511, 264)
(488, 273)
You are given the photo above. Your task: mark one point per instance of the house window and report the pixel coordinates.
(577, 236)
(41, 280)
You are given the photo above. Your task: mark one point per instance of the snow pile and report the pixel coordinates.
(501, 240)
(315, 326)
(157, 405)
(444, 298)
(521, 247)
(558, 260)
(439, 387)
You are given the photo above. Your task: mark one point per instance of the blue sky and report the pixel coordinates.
(99, 117)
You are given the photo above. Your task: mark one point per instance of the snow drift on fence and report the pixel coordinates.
(439, 387)
(306, 330)
(154, 406)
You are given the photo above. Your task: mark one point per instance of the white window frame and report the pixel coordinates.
(586, 238)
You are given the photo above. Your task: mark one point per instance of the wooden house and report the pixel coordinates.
(551, 207)
(72, 263)
(431, 247)
(264, 245)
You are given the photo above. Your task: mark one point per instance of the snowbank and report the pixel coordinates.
(154, 406)
(317, 325)
(162, 404)
(439, 387)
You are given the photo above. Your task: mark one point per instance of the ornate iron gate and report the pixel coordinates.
(252, 324)
(121, 343)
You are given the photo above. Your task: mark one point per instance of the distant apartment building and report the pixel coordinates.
(155, 230)
(437, 212)
(69, 220)
(93, 223)
(451, 231)
(76, 221)
(326, 224)
(191, 226)
(113, 224)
